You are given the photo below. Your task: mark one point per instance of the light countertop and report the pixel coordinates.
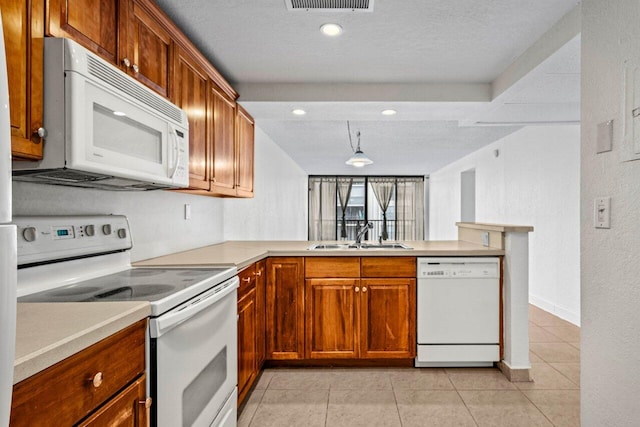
(244, 253)
(47, 333)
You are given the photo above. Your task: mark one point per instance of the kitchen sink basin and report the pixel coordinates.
(332, 246)
(337, 246)
(385, 246)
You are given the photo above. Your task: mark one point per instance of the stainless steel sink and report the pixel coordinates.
(385, 246)
(337, 246)
(331, 246)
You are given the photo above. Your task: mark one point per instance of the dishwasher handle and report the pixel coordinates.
(173, 318)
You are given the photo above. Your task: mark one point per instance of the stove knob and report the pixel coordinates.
(29, 234)
(106, 229)
(122, 233)
(90, 230)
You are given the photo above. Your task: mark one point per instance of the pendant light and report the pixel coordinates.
(359, 159)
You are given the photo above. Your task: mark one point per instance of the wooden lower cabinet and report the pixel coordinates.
(285, 308)
(261, 313)
(247, 367)
(388, 318)
(101, 385)
(124, 410)
(331, 318)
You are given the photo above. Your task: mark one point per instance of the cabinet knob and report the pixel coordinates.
(147, 402)
(135, 68)
(97, 380)
(126, 62)
(357, 289)
(41, 132)
(364, 289)
(258, 273)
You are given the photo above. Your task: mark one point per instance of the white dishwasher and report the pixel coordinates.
(458, 311)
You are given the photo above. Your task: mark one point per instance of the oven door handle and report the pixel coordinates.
(170, 320)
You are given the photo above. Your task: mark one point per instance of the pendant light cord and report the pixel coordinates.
(350, 142)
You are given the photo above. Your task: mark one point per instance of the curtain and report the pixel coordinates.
(383, 190)
(322, 208)
(410, 209)
(344, 191)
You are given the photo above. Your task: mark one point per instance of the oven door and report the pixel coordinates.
(194, 358)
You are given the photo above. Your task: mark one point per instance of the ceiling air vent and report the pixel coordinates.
(330, 5)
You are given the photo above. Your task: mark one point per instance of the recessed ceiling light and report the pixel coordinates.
(298, 112)
(388, 112)
(331, 30)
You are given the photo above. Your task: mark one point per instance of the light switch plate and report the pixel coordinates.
(602, 212)
(605, 136)
(187, 211)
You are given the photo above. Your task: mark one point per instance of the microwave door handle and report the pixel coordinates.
(176, 151)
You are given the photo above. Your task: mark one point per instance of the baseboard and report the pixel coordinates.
(561, 312)
(515, 375)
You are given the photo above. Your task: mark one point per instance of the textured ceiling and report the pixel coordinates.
(412, 44)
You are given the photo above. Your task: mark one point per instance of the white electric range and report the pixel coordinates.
(192, 336)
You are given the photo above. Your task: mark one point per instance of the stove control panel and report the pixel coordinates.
(49, 238)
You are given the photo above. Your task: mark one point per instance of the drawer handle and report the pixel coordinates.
(258, 273)
(147, 402)
(246, 279)
(97, 380)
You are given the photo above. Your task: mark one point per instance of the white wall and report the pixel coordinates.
(158, 227)
(534, 181)
(278, 211)
(610, 341)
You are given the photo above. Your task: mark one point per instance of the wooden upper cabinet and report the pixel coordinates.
(245, 153)
(285, 308)
(92, 23)
(23, 23)
(147, 50)
(190, 94)
(388, 318)
(331, 318)
(223, 125)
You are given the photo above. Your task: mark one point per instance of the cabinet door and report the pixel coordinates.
(223, 142)
(261, 330)
(285, 308)
(244, 155)
(23, 23)
(190, 93)
(92, 23)
(246, 342)
(331, 318)
(388, 318)
(128, 408)
(148, 49)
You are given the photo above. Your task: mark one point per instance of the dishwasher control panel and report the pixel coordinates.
(450, 268)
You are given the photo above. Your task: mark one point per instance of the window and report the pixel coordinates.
(340, 205)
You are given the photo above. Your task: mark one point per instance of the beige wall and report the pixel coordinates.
(610, 258)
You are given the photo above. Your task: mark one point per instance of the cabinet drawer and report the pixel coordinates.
(389, 266)
(321, 267)
(247, 280)
(66, 391)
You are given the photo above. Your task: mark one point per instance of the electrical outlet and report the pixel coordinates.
(485, 238)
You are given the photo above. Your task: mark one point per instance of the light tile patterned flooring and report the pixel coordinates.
(335, 397)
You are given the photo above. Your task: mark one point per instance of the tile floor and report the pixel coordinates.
(405, 397)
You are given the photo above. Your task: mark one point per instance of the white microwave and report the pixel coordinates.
(103, 129)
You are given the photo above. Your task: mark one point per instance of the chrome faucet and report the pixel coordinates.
(362, 231)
